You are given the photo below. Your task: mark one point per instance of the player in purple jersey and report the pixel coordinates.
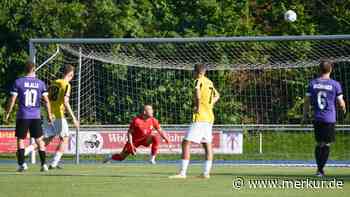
(29, 90)
(324, 94)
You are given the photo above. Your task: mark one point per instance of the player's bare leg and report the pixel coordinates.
(154, 141)
(22, 166)
(185, 160)
(208, 160)
(42, 154)
(34, 146)
(59, 152)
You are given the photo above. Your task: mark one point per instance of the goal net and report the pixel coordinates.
(262, 82)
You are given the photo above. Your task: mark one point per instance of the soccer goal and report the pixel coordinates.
(262, 82)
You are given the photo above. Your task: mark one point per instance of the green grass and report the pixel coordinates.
(146, 180)
(292, 145)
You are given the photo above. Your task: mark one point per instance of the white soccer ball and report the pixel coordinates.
(290, 16)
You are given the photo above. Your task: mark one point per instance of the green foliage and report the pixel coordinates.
(21, 20)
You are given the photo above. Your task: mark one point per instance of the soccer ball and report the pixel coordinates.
(290, 16)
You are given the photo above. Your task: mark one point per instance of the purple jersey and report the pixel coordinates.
(29, 91)
(324, 94)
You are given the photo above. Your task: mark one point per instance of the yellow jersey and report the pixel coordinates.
(57, 91)
(207, 93)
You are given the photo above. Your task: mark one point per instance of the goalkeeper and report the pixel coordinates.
(141, 133)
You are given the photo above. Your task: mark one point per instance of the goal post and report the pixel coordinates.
(262, 81)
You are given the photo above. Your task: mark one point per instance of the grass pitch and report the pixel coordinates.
(147, 180)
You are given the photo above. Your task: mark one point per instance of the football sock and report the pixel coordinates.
(324, 156)
(152, 157)
(207, 167)
(56, 159)
(20, 156)
(28, 150)
(317, 156)
(42, 155)
(184, 166)
(117, 157)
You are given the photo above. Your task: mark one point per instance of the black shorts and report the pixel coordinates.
(324, 132)
(33, 125)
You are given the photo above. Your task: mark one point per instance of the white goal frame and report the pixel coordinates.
(259, 127)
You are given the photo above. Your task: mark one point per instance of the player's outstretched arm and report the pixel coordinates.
(48, 107)
(163, 134)
(70, 111)
(9, 107)
(130, 131)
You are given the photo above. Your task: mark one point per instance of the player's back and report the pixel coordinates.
(29, 91)
(207, 92)
(57, 91)
(323, 94)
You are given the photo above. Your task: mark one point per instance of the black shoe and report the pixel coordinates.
(108, 159)
(320, 173)
(20, 169)
(44, 168)
(51, 167)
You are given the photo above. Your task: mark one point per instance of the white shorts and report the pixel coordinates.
(58, 128)
(200, 132)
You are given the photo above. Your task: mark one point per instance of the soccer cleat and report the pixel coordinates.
(44, 168)
(108, 159)
(25, 166)
(20, 168)
(320, 173)
(153, 162)
(204, 176)
(52, 167)
(177, 176)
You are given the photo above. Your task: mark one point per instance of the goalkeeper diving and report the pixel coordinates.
(140, 133)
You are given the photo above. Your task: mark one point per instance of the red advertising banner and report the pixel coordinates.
(104, 142)
(8, 142)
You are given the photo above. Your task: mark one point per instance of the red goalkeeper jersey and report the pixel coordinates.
(143, 128)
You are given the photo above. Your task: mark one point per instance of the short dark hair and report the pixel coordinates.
(29, 67)
(68, 68)
(326, 66)
(198, 68)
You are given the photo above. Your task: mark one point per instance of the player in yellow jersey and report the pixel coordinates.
(203, 118)
(59, 92)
